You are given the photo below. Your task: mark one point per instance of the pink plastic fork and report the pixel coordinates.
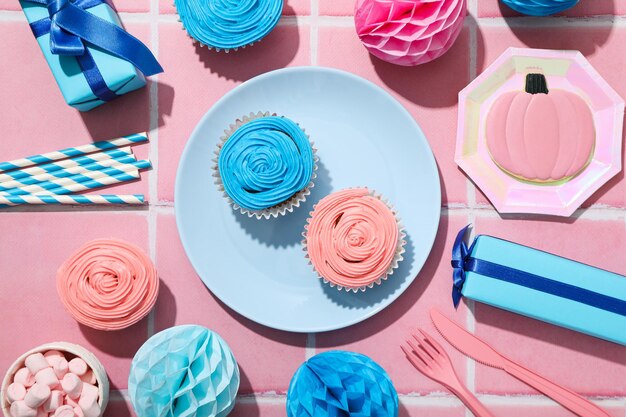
(428, 357)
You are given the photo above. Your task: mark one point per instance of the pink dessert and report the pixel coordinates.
(409, 32)
(540, 135)
(353, 239)
(108, 284)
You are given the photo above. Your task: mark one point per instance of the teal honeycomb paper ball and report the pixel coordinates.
(341, 384)
(184, 371)
(539, 7)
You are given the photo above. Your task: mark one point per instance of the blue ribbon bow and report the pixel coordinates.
(70, 26)
(460, 254)
(463, 262)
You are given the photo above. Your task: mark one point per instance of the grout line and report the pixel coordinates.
(154, 151)
(472, 73)
(470, 322)
(471, 196)
(472, 7)
(436, 399)
(310, 348)
(327, 20)
(314, 29)
(484, 211)
(336, 21)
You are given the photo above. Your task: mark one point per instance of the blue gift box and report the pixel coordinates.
(89, 71)
(540, 285)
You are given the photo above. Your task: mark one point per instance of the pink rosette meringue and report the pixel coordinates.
(108, 284)
(409, 32)
(353, 239)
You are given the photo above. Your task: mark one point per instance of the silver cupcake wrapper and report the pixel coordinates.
(398, 257)
(281, 209)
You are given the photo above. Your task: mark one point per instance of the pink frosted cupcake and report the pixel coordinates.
(353, 239)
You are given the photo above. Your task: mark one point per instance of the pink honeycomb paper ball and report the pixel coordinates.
(409, 32)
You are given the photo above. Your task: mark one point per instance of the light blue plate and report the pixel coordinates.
(364, 137)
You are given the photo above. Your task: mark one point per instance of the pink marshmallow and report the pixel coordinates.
(72, 385)
(61, 367)
(68, 401)
(41, 412)
(24, 377)
(65, 411)
(47, 377)
(88, 395)
(37, 395)
(89, 377)
(79, 412)
(35, 363)
(20, 409)
(54, 401)
(78, 366)
(53, 356)
(92, 410)
(88, 401)
(16, 392)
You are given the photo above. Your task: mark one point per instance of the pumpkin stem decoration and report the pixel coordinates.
(539, 135)
(536, 84)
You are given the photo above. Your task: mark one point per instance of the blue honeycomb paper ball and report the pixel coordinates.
(184, 371)
(341, 384)
(539, 7)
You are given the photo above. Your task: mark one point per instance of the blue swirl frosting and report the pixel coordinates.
(265, 162)
(540, 7)
(229, 24)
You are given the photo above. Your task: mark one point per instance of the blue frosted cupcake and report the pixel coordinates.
(265, 165)
(228, 24)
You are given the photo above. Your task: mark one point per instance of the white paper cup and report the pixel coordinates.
(71, 350)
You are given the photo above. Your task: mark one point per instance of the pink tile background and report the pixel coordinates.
(290, 7)
(120, 5)
(493, 8)
(35, 241)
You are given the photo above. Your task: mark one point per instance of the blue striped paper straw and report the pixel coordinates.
(83, 199)
(68, 172)
(72, 152)
(124, 172)
(92, 162)
(91, 179)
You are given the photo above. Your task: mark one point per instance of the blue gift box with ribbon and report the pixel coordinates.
(93, 59)
(540, 285)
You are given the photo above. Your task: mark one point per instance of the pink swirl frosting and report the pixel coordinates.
(352, 238)
(108, 284)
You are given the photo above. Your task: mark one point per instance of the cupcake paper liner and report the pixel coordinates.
(398, 256)
(275, 211)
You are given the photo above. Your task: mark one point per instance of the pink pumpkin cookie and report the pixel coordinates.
(353, 239)
(539, 135)
(409, 32)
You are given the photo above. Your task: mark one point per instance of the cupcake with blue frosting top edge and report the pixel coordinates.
(265, 165)
(226, 25)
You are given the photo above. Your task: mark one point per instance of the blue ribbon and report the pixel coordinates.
(463, 262)
(70, 26)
